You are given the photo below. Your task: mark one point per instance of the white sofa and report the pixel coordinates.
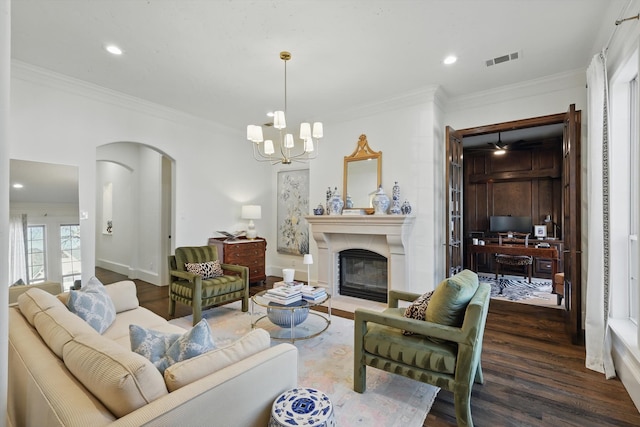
(64, 373)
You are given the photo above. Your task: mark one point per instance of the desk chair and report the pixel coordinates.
(514, 260)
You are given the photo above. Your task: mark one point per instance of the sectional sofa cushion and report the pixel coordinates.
(188, 371)
(93, 304)
(57, 326)
(35, 301)
(121, 379)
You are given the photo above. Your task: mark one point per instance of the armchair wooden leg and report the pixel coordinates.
(197, 314)
(359, 368)
(479, 378)
(172, 306)
(462, 402)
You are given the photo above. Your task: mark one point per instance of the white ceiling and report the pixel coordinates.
(219, 59)
(43, 182)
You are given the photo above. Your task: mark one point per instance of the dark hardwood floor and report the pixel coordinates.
(533, 375)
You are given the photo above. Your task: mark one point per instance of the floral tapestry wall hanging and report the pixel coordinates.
(293, 205)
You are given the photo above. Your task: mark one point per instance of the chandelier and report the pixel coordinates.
(289, 150)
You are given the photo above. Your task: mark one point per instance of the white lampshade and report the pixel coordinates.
(254, 133)
(268, 147)
(308, 145)
(288, 141)
(308, 259)
(305, 131)
(318, 130)
(251, 212)
(279, 121)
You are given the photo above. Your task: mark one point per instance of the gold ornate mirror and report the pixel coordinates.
(362, 175)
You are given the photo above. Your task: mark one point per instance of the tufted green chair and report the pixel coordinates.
(444, 356)
(190, 289)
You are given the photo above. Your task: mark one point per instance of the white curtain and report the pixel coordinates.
(598, 341)
(17, 248)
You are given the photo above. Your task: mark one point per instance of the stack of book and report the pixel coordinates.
(311, 293)
(284, 293)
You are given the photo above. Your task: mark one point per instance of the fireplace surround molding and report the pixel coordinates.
(386, 235)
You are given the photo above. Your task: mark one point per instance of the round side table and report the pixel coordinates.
(302, 406)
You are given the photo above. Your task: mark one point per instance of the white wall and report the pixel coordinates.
(61, 120)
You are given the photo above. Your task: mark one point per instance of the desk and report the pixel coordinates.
(546, 253)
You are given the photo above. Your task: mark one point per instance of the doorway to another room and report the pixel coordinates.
(522, 170)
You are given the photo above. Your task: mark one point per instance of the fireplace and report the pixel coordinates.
(384, 235)
(363, 274)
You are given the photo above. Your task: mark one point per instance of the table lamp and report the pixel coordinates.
(308, 260)
(251, 212)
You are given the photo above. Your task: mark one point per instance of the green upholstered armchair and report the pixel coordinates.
(449, 359)
(190, 289)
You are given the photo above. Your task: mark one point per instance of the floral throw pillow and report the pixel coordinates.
(417, 309)
(164, 349)
(206, 270)
(93, 304)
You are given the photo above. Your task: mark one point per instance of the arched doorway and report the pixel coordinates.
(135, 206)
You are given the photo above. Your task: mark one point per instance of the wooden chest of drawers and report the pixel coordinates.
(249, 253)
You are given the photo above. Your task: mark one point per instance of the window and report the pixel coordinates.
(634, 189)
(36, 254)
(70, 254)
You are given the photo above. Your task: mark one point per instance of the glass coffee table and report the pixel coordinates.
(290, 322)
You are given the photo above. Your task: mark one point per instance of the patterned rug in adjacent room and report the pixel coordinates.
(326, 363)
(515, 289)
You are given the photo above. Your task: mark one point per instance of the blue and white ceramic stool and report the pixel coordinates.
(302, 407)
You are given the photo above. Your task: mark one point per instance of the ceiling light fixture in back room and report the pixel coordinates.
(287, 146)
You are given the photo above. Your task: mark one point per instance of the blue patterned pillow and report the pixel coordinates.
(164, 349)
(93, 304)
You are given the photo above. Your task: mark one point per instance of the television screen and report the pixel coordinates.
(503, 224)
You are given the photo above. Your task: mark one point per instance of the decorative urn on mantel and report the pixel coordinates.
(335, 203)
(380, 202)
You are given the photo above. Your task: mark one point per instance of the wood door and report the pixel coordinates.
(571, 223)
(454, 180)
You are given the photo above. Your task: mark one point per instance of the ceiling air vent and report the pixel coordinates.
(504, 58)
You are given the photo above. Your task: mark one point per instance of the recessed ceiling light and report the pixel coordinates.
(17, 185)
(450, 60)
(113, 49)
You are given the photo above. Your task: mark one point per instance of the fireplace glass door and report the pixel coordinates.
(363, 274)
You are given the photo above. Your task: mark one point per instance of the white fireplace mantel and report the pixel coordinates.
(386, 235)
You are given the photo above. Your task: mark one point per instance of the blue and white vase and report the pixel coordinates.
(329, 195)
(380, 202)
(349, 203)
(335, 203)
(406, 208)
(395, 196)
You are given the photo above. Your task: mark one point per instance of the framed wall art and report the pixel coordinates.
(293, 205)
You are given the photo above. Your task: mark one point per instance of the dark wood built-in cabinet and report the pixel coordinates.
(523, 182)
(242, 251)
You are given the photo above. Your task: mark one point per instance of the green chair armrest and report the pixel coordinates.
(183, 275)
(235, 268)
(421, 327)
(395, 296)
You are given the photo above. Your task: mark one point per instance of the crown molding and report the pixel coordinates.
(529, 88)
(42, 76)
(425, 95)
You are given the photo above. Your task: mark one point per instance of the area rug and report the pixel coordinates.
(325, 363)
(515, 289)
